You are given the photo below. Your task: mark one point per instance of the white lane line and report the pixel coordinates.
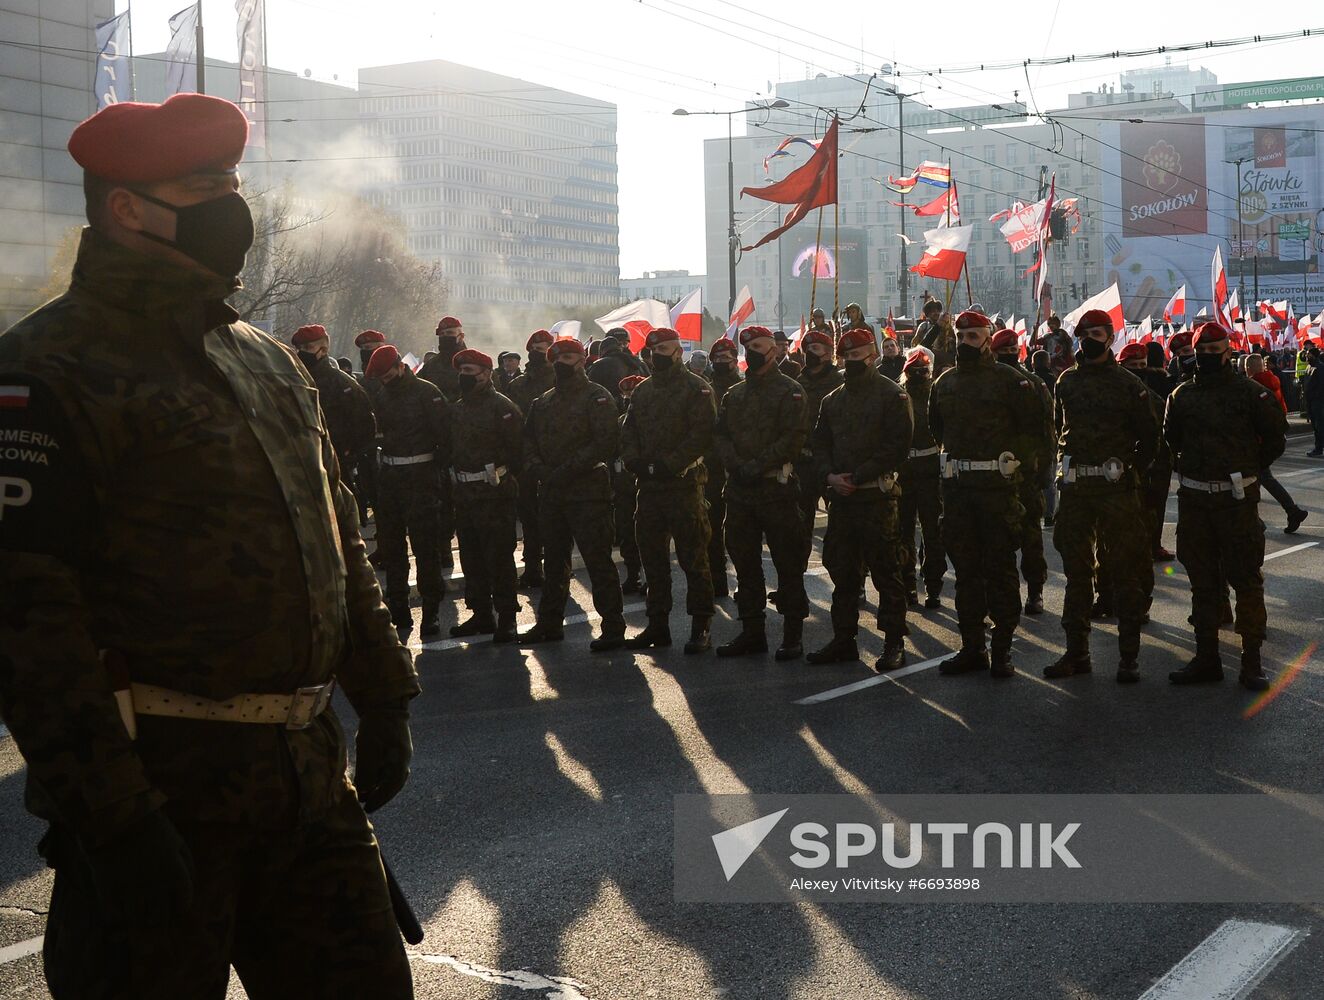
(557, 987)
(1296, 472)
(868, 682)
(1289, 551)
(21, 950)
(1228, 964)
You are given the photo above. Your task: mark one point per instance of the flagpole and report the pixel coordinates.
(947, 222)
(133, 90)
(818, 247)
(201, 57)
(836, 255)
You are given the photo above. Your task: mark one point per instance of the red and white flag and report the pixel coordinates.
(14, 397)
(944, 252)
(1043, 239)
(1234, 306)
(687, 316)
(639, 318)
(743, 311)
(1109, 300)
(1176, 305)
(567, 328)
(1218, 281)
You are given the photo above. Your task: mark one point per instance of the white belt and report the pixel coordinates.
(492, 475)
(881, 483)
(295, 711)
(926, 452)
(1223, 486)
(781, 474)
(1005, 464)
(1112, 470)
(406, 459)
(618, 466)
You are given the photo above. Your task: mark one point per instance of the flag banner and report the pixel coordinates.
(944, 253)
(1176, 305)
(937, 175)
(182, 52)
(1043, 239)
(1145, 331)
(1109, 300)
(811, 185)
(114, 79)
(650, 312)
(253, 68)
(687, 316)
(1218, 281)
(567, 328)
(743, 309)
(413, 363)
(783, 150)
(938, 206)
(1234, 306)
(1021, 228)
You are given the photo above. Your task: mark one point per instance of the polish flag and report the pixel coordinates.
(1234, 306)
(14, 397)
(1145, 331)
(639, 317)
(412, 362)
(1109, 300)
(743, 311)
(944, 252)
(1218, 282)
(566, 328)
(687, 316)
(1176, 305)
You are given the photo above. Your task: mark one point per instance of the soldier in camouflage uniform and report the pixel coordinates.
(1108, 435)
(440, 371)
(861, 438)
(416, 448)
(488, 432)
(365, 463)
(818, 378)
(183, 579)
(538, 377)
(985, 415)
(345, 405)
(1036, 470)
(760, 433)
(664, 436)
(1223, 429)
(921, 493)
(624, 491)
(571, 438)
(725, 373)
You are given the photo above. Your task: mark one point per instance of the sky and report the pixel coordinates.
(653, 56)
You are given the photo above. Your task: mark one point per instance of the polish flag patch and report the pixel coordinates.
(14, 397)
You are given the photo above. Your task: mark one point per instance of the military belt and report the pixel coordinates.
(881, 483)
(295, 711)
(782, 473)
(492, 475)
(924, 452)
(1222, 486)
(407, 459)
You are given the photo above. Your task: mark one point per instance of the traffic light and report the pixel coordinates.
(1074, 293)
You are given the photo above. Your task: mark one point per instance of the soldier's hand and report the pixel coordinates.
(842, 482)
(144, 875)
(383, 749)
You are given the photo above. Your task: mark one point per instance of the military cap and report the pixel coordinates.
(471, 357)
(629, 382)
(369, 337)
(138, 143)
(619, 333)
(1180, 339)
(930, 306)
(308, 334)
(1134, 352)
(506, 354)
(564, 345)
(1208, 333)
(918, 357)
(661, 335)
(817, 337)
(1003, 338)
(859, 337)
(538, 337)
(971, 320)
(723, 345)
(447, 323)
(383, 360)
(781, 337)
(1093, 318)
(753, 333)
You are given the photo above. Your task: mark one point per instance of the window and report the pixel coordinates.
(1011, 154)
(990, 154)
(845, 189)
(1082, 249)
(990, 203)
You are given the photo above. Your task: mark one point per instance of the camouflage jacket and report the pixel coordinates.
(669, 422)
(180, 503)
(346, 408)
(1103, 411)
(536, 379)
(817, 386)
(864, 428)
(414, 419)
(980, 411)
(444, 375)
(487, 429)
(722, 383)
(760, 427)
(919, 390)
(571, 438)
(1044, 453)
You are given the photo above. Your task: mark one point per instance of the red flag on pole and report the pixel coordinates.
(810, 186)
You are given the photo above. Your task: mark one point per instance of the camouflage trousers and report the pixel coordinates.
(409, 507)
(1221, 539)
(1154, 498)
(714, 494)
(587, 525)
(624, 488)
(862, 535)
(527, 509)
(487, 554)
(676, 512)
(775, 517)
(921, 500)
(981, 531)
(1034, 567)
(1112, 528)
(364, 475)
(810, 493)
(298, 913)
(446, 523)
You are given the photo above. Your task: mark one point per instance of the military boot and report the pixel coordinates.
(1002, 667)
(934, 598)
(1205, 668)
(478, 623)
(752, 639)
(542, 633)
(402, 619)
(701, 637)
(632, 584)
(1034, 601)
(1102, 608)
(530, 579)
(431, 620)
(657, 633)
(792, 633)
(912, 598)
(1252, 670)
(1076, 660)
(894, 655)
(842, 649)
(968, 659)
(505, 628)
(1128, 670)
(614, 639)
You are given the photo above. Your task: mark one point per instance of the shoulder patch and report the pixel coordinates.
(1263, 394)
(797, 395)
(902, 395)
(1024, 382)
(600, 399)
(506, 416)
(706, 392)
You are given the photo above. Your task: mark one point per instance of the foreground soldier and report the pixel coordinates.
(345, 406)
(571, 438)
(760, 432)
(725, 373)
(984, 415)
(1108, 437)
(664, 436)
(624, 491)
(538, 377)
(921, 493)
(488, 431)
(818, 378)
(416, 447)
(185, 565)
(1223, 429)
(860, 441)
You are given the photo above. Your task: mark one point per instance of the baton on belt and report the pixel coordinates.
(410, 928)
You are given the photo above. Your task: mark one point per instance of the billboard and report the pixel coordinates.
(844, 260)
(1163, 178)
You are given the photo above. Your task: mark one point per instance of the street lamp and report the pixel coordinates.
(1241, 240)
(901, 157)
(731, 189)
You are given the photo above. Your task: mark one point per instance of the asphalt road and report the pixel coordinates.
(535, 835)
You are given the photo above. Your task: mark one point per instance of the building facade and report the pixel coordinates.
(665, 286)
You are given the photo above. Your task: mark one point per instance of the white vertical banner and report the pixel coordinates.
(182, 53)
(252, 68)
(114, 77)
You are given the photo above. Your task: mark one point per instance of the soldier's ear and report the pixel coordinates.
(125, 209)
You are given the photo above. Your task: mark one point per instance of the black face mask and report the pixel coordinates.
(1187, 363)
(468, 383)
(754, 361)
(565, 374)
(1006, 359)
(537, 358)
(1091, 348)
(365, 357)
(722, 367)
(967, 355)
(1209, 363)
(662, 362)
(854, 369)
(813, 362)
(217, 233)
(448, 346)
(308, 359)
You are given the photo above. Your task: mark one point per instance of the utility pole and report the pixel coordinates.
(201, 56)
(1241, 235)
(901, 157)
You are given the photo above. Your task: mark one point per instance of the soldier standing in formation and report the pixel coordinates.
(1107, 439)
(615, 362)
(625, 489)
(664, 436)
(488, 431)
(183, 587)
(1223, 429)
(819, 377)
(366, 464)
(538, 377)
(571, 438)
(345, 406)
(416, 447)
(921, 493)
(861, 439)
(760, 432)
(723, 357)
(984, 415)
(441, 373)
(786, 364)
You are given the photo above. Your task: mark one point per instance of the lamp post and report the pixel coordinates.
(901, 157)
(1241, 236)
(731, 190)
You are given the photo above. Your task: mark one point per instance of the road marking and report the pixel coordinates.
(557, 987)
(1228, 964)
(21, 950)
(1289, 551)
(868, 682)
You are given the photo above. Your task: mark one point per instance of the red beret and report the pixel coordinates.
(918, 357)
(538, 337)
(447, 323)
(859, 337)
(1179, 340)
(817, 337)
(1134, 352)
(661, 335)
(753, 332)
(139, 143)
(722, 345)
(1095, 317)
(629, 382)
(383, 360)
(471, 357)
(1208, 333)
(369, 337)
(971, 320)
(307, 334)
(564, 345)
(1003, 338)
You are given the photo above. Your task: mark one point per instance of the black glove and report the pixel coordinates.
(637, 466)
(144, 875)
(748, 473)
(383, 750)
